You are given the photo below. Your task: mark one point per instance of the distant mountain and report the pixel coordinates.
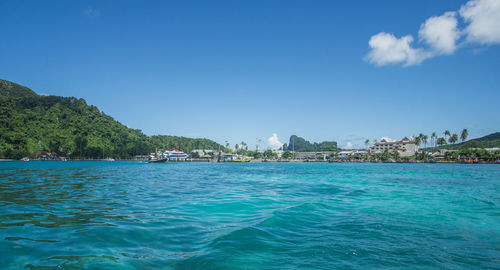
(300, 144)
(488, 141)
(68, 126)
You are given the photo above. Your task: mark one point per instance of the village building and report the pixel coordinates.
(352, 153)
(404, 147)
(204, 152)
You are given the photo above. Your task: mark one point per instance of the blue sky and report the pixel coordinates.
(241, 70)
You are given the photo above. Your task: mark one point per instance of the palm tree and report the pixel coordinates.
(434, 138)
(421, 137)
(464, 134)
(367, 142)
(453, 139)
(418, 140)
(424, 139)
(447, 133)
(441, 141)
(244, 145)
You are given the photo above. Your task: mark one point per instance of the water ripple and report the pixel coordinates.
(132, 215)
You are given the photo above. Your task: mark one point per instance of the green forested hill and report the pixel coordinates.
(183, 143)
(70, 127)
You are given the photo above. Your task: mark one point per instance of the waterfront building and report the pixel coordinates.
(204, 152)
(405, 147)
(344, 153)
(352, 153)
(314, 155)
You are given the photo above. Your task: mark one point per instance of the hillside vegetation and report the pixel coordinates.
(70, 127)
(488, 141)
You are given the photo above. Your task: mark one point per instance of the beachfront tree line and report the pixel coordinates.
(423, 139)
(296, 144)
(461, 155)
(242, 149)
(447, 137)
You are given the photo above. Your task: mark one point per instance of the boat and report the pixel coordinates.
(242, 160)
(109, 159)
(175, 154)
(25, 159)
(168, 155)
(157, 160)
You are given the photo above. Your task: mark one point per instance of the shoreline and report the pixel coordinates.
(264, 161)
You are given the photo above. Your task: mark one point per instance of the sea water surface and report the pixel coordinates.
(133, 215)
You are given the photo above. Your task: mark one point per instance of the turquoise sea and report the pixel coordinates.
(133, 215)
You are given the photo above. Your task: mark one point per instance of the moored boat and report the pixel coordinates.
(175, 154)
(242, 160)
(157, 160)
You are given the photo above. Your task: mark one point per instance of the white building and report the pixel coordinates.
(351, 153)
(203, 152)
(405, 147)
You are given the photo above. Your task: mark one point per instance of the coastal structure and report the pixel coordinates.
(352, 153)
(203, 152)
(405, 147)
(314, 155)
(44, 155)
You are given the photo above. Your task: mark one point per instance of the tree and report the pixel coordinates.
(434, 138)
(417, 140)
(255, 154)
(453, 139)
(270, 154)
(424, 140)
(385, 156)
(464, 134)
(446, 133)
(472, 144)
(367, 142)
(420, 138)
(70, 127)
(441, 141)
(287, 154)
(396, 155)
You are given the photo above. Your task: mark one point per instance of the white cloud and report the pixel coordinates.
(483, 17)
(349, 145)
(387, 139)
(441, 33)
(274, 142)
(387, 49)
(91, 12)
